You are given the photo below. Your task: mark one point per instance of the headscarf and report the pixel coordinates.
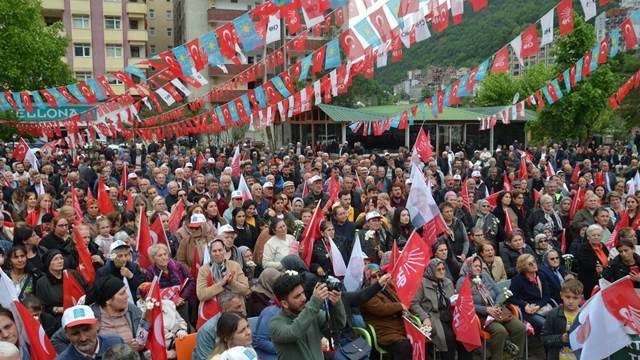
(430, 271)
(265, 282)
(218, 270)
(467, 270)
(370, 270)
(545, 262)
(294, 262)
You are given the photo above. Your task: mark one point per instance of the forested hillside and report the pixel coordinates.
(480, 35)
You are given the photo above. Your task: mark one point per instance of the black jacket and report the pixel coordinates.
(617, 269)
(586, 260)
(554, 326)
(110, 269)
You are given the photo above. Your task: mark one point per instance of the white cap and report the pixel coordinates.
(211, 161)
(196, 220)
(132, 176)
(315, 178)
(268, 184)
(226, 228)
(408, 181)
(78, 315)
(457, 177)
(239, 353)
(117, 244)
(475, 173)
(188, 165)
(236, 194)
(373, 215)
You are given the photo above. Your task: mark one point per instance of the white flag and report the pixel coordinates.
(33, 160)
(355, 270)
(273, 29)
(339, 268)
(244, 189)
(311, 22)
(381, 57)
(129, 295)
(405, 38)
(516, 45)
(8, 291)
(547, 28)
(303, 100)
(292, 102)
(281, 110)
(198, 77)
(165, 96)
(422, 30)
(333, 77)
(316, 92)
(178, 84)
(589, 9)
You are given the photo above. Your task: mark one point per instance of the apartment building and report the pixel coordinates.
(105, 35)
(160, 26)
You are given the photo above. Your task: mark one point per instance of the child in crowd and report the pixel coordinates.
(555, 334)
(104, 237)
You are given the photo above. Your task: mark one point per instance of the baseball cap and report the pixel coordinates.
(78, 315)
(211, 161)
(236, 194)
(132, 176)
(268, 184)
(373, 215)
(226, 228)
(196, 220)
(457, 177)
(315, 178)
(117, 244)
(288, 183)
(475, 173)
(188, 165)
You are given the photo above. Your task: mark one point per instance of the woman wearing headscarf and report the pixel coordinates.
(262, 293)
(295, 263)
(486, 293)
(553, 273)
(432, 305)
(546, 214)
(442, 251)
(486, 220)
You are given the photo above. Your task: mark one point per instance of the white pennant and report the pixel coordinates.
(198, 77)
(381, 58)
(316, 92)
(589, 9)
(178, 84)
(291, 104)
(516, 45)
(333, 77)
(165, 96)
(273, 29)
(281, 110)
(547, 28)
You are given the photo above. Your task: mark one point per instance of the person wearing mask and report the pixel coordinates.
(81, 328)
(297, 330)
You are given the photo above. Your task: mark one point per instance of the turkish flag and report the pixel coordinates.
(273, 94)
(396, 49)
(200, 160)
(333, 190)
(423, 145)
(25, 96)
(410, 267)
(501, 61)
(407, 7)
(395, 255)
(175, 218)
(67, 95)
(417, 340)
(104, 83)
(318, 60)
(339, 16)
(565, 16)
(208, 308)
(604, 51)
(144, 241)
(228, 40)
(530, 42)
(523, 173)
(586, 65)
(630, 37)
(464, 192)
(351, 46)
(172, 63)
(21, 150)
(623, 221)
(508, 226)
(77, 210)
(576, 203)
(292, 17)
(440, 17)
(158, 228)
(466, 324)
(72, 290)
(104, 202)
(155, 341)
(50, 99)
(310, 234)
(85, 265)
(129, 206)
(40, 345)
(299, 42)
(381, 23)
(478, 5)
(198, 55)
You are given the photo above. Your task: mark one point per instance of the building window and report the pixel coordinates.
(82, 50)
(169, 31)
(114, 50)
(112, 22)
(80, 21)
(134, 24)
(152, 31)
(136, 51)
(114, 81)
(83, 75)
(169, 14)
(152, 14)
(152, 48)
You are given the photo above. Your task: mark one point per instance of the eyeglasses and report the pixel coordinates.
(554, 258)
(62, 225)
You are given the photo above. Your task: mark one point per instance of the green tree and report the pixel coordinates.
(584, 111)
(499, 89)
(30, 50)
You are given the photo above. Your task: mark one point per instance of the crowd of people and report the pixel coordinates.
(531, 255)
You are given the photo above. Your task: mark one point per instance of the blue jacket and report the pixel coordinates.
(261, 339)
(105, 341)
(206, 339)
(525, 292)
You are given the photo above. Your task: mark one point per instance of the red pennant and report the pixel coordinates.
(466, 323)
(144, 241)
(292, 17)
(41, 347)
(175, 218)
(310, 234)
(530, 42)
(72, 290)
(50, 99)
(85, 265)
(228, 40)
(318, 60)
(198, 55)
(410, 267)
(479, 4)
(565, 16)
(156, 340)
(351, 45)
(501, 61)
(67, 95)
(173, 65)
(440, 17)
(630, 37)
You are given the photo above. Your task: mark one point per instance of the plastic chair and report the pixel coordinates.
(364, 333)
(517, 313)
(374, 339)
(185, 347)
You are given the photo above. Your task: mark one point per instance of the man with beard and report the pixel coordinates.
(297, 330)
(81, 328)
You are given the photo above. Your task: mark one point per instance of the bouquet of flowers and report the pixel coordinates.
(145, 305)
(369, 234)
(415, 321)
(568, 262)
(503, 297)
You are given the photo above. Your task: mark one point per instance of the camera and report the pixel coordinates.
(332, 283)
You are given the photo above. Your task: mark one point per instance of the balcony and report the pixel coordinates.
(81, 7)
(113, 63)
(82, 63)
(52, 5)
(137, 8)
(113, 36)
(138, 35)
(232, 68)
(81, 35)
(223, 14)
(111, 8)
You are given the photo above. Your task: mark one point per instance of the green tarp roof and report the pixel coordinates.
(374, 113)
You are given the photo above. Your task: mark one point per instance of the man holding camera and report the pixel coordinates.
(297, 331)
